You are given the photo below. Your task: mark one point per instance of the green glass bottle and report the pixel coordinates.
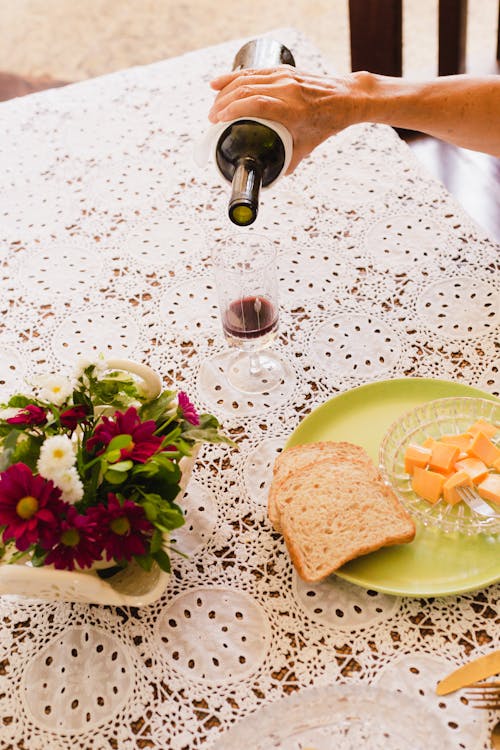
(251, 154)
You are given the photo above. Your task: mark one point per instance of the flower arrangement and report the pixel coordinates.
(90, 468)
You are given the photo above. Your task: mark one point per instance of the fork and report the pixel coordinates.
(484, 695)
(475, 502)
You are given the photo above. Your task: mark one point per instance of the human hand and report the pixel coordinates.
(311, 107)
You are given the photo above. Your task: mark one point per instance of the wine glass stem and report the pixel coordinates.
(255, 365)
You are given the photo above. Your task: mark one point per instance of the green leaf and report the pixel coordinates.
(17, 556)
(156, 542)
(112, 456)
(90, 484)
(148, 469)
(116, 389)
(161, 479)
(8, 447)
(163, 560)
(171, 434)
(80, 398)
(38, 558)
(28, 451)
(170, 519)
(145, 561)
(165, 461)
(155, 500)
(115, 477)
(123, 465)
(158, 407)
(207, 431)
(119, 442)
(150, 510)
(18, 401)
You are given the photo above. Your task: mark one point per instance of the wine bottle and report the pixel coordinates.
(249, 153)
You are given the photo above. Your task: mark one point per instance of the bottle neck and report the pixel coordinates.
(244, 202)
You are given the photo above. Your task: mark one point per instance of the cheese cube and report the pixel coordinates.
(416, 455)
(462, 440)
(429, 442)
(489, 489)
(443, 457)
(476, 469)
(458, 479)
(481, 447)
(427, 484)
(483, 426)
(496, 465)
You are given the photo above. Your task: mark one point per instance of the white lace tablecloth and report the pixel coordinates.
(105, 230)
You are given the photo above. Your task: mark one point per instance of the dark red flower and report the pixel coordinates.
(187, 409)
(125, 531)
(143, 442)
(70, 418)
(76, 543)
(29, 415)
(29, 507)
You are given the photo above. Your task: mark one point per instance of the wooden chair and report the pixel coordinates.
(377, 36)
(376, 31)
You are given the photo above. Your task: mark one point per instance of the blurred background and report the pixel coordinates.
(76, 39)
(46, 43)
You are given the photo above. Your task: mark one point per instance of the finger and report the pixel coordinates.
(251, 106)
(267, 90)
(222, 81)
(225, 97)
(248, 75)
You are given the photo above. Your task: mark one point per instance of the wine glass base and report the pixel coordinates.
(271, 372)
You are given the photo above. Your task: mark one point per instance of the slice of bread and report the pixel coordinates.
(292, 459)
(333, 513)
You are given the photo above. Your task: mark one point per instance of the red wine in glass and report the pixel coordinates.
(247, 287)
(251, 317)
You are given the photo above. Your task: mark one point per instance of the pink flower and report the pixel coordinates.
(29, 507)
(187, 409)
(143, 442)
(76, 542)
(125, 530)
(29, 415)
(71, 417)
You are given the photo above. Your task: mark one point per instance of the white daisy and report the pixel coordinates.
(54, 388)
(83, 363)
(56, 454)
(70, 484)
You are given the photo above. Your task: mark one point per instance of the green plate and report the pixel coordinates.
(435, 563)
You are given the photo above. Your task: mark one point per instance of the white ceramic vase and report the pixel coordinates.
(132, 586)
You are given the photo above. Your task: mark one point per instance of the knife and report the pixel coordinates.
(478, 669)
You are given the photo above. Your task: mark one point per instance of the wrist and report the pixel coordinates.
(367, 97)
(387, 100)
(346, 101)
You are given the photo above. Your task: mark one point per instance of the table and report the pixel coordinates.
(105, 229)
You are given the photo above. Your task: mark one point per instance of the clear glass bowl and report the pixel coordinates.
(344, 717)
(433, 419)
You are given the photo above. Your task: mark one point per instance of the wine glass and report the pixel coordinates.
(247, 287)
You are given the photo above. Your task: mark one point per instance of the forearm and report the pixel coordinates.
(462, 110)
